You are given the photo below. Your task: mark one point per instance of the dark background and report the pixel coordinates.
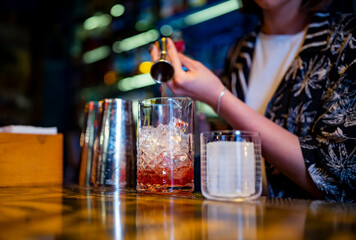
(44, 81)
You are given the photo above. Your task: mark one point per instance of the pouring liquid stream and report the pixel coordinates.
(163, 89)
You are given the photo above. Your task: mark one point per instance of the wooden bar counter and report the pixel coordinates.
(72, 212)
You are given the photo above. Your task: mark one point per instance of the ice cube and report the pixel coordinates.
(186, 143)
(163, 164)
(165, 138)
(144, 158)
(178, 125)
(181, 159)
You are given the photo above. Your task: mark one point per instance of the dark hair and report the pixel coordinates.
(308, 6)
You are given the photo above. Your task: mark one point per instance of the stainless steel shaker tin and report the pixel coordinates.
(114, 162)
(92, 120)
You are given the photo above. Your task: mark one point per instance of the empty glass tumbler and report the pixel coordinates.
(165, 147)
(231, 165)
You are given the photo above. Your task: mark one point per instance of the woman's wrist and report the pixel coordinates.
(214, 99)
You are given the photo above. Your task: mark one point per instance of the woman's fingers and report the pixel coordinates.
(173, 54)
(186, 61)
(154, 52)
(181, 79)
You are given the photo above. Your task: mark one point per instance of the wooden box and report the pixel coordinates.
(31, 159)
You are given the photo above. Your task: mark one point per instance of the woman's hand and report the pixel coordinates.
(197, 82)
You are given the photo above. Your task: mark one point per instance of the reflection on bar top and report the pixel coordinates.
(72, 212)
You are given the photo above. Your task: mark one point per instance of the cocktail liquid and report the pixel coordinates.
(165, 158)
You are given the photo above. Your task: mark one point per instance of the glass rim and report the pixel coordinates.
(233, 132)
(143, 101)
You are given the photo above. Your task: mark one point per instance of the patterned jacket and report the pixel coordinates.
(316, 100)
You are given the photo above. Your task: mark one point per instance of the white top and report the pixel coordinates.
(272, 56)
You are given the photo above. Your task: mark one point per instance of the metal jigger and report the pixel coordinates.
(162, 70)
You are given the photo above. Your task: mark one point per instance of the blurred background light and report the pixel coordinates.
(99, 20)
(196, 3)
(135, 82)
(206, 109)
(212, 12)
(166, 30)
(142, 25)
(96, 54)
(117, 10)
(145, 67)
(110, 78)
(135, 41)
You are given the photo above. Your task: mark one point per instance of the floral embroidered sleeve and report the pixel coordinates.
(330, 150)
(316, 101)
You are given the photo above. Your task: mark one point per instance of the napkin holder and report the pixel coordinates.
(31, 159)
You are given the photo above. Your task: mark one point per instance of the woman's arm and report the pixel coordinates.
(280, 147)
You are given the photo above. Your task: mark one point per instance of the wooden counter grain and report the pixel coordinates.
(71, 212)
